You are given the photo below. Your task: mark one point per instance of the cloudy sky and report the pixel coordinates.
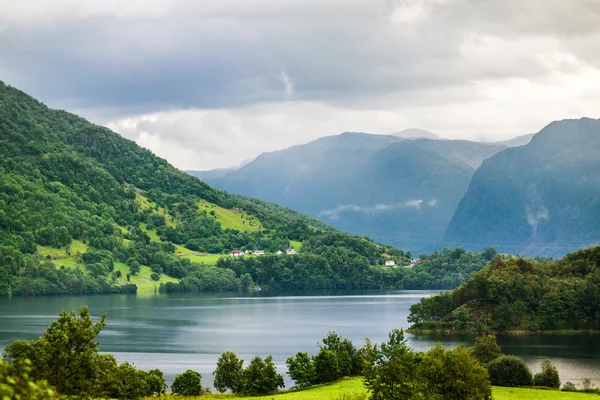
(209, 84)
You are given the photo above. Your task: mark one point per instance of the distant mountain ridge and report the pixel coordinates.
(542, 198)
(398, 190)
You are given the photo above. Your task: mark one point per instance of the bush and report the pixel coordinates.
(509, 371)
(548, 377)
(261, 377)
(187, 384)
(569, 387)
(155, 276)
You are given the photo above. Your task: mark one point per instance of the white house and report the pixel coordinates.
(290, 251)
(247, 252)
(258, 252)
(390, 263)
(278, 252)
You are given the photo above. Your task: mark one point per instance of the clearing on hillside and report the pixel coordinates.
(231, 218)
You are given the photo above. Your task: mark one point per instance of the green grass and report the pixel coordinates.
(145, 204)
(151, 232)
(60, 256)
(355, 386)
(504, 393)
(143, 281)
(230, 219)
(295, 245)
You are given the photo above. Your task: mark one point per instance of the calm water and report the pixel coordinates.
(190, 331)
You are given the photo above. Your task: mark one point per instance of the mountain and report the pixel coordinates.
(539, 199)
(398, 191)
(84, 210)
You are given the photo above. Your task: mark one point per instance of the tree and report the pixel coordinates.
(326, 366)
(454, 375)
(134, 267)
(301, 369)
(485, 349)
(393, 373)
(261, 377)
(16, 352)
(66, 354)
(229, 373)
(548, 377)
(156, 382)
(187, 384)
(126, 382)
(509, 371)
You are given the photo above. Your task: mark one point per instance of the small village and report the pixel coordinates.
(238, 253)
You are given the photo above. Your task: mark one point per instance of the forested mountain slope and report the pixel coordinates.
(519, 295)
(83, 210)
(401, 192)
(539, 199)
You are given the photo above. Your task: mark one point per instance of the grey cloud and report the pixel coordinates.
(236, 53)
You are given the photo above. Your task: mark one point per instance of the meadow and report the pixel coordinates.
(353, 389)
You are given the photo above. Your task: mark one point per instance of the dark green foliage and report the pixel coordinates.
(485, 349)
(509, 371)
(326, 366)
(548, 377)
(261, 377)
(537, 199)
(187, 384)
(301, 369)
(520, 294)
(229, 373)
(454, 375)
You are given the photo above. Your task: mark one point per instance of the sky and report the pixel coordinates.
(211, 84)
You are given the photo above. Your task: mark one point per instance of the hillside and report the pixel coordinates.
(84, 211)
(519, 295)
(539, 199)
(400, 192)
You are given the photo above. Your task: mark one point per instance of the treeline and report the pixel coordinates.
(519, 294)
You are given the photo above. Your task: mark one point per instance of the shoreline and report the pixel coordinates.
(499, 333)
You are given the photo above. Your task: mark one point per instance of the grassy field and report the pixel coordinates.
(295, 245)
(143, 281)
(346, 388)
(145, 204)
(231, 219)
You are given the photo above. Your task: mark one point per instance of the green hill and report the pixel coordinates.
(81, 208)
(519, 295)
(539, 199)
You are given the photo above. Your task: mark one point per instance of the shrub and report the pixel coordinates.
(261, 377)
(569, 387)
(351, 396)
(548, 377)
(187, 384)
(509, 371)
(155, 276)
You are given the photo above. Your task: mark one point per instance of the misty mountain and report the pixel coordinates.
(398, 191)
(539, 199)
(415, 133)
(518, 141)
